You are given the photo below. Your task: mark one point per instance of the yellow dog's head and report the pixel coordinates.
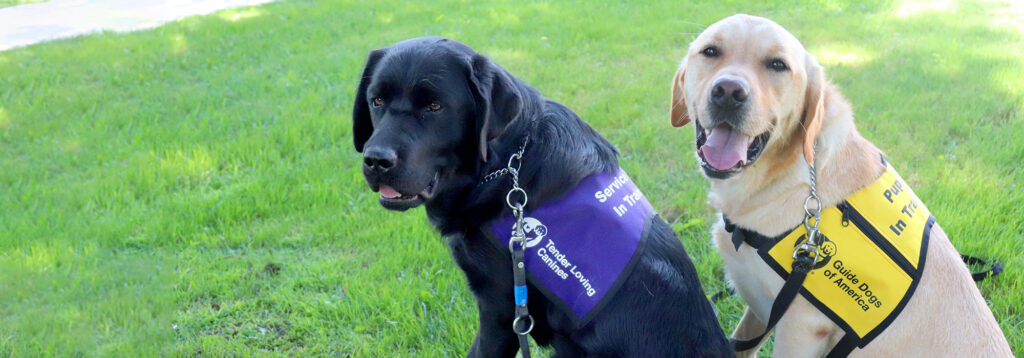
(750, 87)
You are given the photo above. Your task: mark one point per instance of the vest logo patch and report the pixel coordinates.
(826, 249)
(534, 230)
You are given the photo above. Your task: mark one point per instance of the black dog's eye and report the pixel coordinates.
(377, 102)
(434, 107)
(710, 51)
(777, 65)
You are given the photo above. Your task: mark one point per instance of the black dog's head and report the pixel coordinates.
(425, 108)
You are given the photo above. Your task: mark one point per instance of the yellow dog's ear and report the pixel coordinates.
(814, 106)
(679, 116)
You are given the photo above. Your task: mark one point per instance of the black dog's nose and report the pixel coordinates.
(379, 159)
(729, 92)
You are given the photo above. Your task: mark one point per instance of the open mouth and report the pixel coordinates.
(396, 200)
(724, 151)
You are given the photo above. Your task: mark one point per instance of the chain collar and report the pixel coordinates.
(518, 155)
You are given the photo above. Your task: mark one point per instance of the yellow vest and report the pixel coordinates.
(872, 253)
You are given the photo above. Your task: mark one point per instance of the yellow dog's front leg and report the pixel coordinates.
(804, 332)
(749, 327)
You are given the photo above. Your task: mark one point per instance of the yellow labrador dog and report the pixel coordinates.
(755, 94)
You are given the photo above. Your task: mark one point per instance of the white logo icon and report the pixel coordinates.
(534, 230)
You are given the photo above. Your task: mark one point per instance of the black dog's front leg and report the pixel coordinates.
(489, 275)
(494, 338)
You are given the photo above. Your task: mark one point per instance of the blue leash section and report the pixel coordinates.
(522, 312)
(520, 295)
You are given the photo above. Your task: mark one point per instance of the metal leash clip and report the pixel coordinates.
(518, 233)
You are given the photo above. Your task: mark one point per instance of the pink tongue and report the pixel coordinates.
(724, 148)
(388, 193)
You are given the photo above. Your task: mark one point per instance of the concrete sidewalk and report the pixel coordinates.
(28, 24)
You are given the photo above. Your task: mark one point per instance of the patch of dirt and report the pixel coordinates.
(271, 269)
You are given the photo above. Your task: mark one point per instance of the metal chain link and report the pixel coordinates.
(494, 175)
(504, 171)
(517, 204)
(810, 247)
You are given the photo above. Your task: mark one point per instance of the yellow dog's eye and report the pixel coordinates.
(434, 106)
(377, 102)
(778, 65)
(710, 51)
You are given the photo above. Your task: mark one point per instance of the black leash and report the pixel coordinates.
(522, 312)
(516, 199)
(994, 267)
(523, 323)
(802, 264)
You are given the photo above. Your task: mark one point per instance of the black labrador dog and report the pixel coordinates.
(432, 118)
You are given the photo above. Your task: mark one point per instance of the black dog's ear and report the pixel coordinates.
(362, 128)
(497, 97)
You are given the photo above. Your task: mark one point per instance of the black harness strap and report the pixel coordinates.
(844, 347)
(741, 235)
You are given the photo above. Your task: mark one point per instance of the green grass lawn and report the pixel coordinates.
(6, 3)
(192, 190)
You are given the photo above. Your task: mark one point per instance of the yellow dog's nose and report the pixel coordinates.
(729, 92)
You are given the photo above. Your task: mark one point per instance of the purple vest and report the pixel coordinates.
(581, 247)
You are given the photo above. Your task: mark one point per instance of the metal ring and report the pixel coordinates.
(518, 158)
(508, 197)
(816, 201)
(528, 329)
